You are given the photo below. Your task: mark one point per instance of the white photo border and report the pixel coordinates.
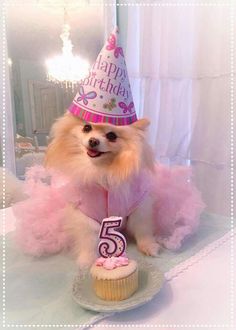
(231, 4)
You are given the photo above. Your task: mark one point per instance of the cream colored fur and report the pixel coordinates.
(68, 152)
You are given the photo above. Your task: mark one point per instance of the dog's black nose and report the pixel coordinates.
(93, 142)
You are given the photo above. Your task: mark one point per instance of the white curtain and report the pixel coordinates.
(178, 59)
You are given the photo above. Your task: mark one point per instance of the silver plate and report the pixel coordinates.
(150, 282)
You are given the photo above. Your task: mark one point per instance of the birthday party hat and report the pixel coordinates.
(105, 95)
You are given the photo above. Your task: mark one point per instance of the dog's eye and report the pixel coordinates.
(111, 136)
(87, 128)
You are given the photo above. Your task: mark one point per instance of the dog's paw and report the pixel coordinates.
(149, 247)
(85, 260)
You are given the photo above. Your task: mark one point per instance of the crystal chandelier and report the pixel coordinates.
(66, 69)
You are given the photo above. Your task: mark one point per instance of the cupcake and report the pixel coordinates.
(114, 278)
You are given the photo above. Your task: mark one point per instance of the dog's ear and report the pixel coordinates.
(64, 124)
(60, 145)
(141, 124)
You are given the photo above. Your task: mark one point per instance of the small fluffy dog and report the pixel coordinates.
(111, 164)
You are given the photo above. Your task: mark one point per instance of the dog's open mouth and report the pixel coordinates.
(94, 153)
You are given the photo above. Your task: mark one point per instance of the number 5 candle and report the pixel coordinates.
(112, 243)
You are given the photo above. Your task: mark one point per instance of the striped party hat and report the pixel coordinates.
(104, 96)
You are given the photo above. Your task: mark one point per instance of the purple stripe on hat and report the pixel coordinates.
(96, 118)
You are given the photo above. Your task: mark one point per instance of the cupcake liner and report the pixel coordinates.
(118, 289)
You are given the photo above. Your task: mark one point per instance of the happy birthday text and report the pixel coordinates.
(113, 80)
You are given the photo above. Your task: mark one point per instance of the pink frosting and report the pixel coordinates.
(113, 262)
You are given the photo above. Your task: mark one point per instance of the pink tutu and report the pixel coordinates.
(40, 218)
(177, 205)
(39, 225)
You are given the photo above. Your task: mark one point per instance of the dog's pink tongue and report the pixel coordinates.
(93, 153)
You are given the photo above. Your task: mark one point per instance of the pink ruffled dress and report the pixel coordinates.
(40, 218)
(98, 203)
